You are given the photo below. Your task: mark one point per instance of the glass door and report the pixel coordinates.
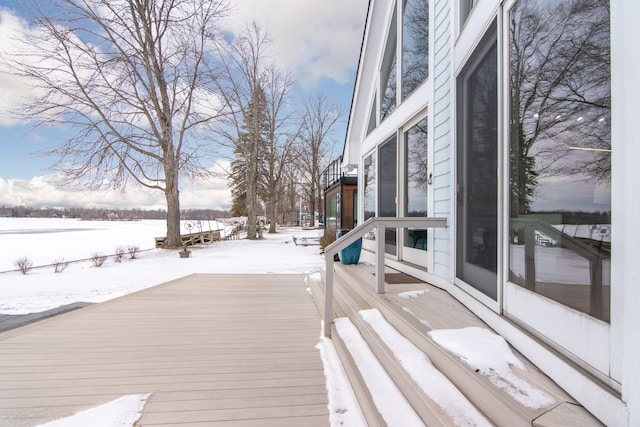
(477, 171)
(417, 177)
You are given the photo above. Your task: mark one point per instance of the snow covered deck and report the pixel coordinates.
(439, 357)
(211, 349)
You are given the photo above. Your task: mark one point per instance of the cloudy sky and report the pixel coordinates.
(319, 41)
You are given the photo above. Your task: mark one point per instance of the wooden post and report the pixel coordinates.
(380, 238)
(328, 296)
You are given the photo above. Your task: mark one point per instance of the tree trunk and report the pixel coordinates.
(272, 216)
(312, 210)
(252, 217)
(173, 209)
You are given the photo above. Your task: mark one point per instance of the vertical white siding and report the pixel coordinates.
(442, 135)
(625, 144)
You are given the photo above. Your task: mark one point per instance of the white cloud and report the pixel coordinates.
(47, 191)
(12, 88)
(314, 39)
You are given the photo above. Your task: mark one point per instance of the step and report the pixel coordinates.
(354, 292)
(430, 407)
(498, 405)
(390, 407)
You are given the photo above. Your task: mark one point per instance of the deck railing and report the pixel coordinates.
(529, 226)
(378, 223)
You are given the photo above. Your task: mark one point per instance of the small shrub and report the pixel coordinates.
(24, 264)
(327, 239)
(98, 259)
(133, 251)
(119, 253)
(59, 265)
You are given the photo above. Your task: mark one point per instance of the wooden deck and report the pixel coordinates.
(233, 350)
(199, 238)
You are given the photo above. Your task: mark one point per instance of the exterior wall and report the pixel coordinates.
(348, 213)
(625, 67)
(442, 135)
(346, 192)
(613, 393)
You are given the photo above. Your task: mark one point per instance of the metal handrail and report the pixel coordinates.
(379, 223)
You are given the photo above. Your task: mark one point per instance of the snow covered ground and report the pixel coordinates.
(44, 240)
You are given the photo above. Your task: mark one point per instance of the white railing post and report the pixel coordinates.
(378, 224)
(328, 297)
(380, 240)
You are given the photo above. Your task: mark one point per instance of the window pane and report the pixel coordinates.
(372, 116)
(465, 9)
(416, 180)
(388, 73)
(369, 176)
(477, 169)
(415, 45)
(560, 243)
(388, 189)
(333, 211)
(481, 182)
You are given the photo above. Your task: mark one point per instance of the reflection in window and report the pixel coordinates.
(369, 176)
(560, 151)
(388, 78)
(333, 211)
(415, 44)
(416, 181)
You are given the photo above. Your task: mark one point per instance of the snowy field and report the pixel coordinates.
(44, 240)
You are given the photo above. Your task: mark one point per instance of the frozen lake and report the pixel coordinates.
(44, 240)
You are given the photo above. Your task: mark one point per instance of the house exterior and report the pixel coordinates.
(514, 120)
(340, 193)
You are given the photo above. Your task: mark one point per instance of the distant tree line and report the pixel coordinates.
(108, 214)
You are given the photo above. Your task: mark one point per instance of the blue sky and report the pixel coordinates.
(319, 41)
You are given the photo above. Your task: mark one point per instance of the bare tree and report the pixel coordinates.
(314, 147)
(278, 145)
(131, 77)
(255, 91)
(242, 92)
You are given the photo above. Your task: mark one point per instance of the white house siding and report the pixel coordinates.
(448, 52)
(625, 274)
(442, 135)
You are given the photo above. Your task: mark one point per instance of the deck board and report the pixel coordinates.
(212, 350)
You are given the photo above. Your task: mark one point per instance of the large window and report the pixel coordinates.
(405, 62)
(416, 181)
(388, 73)
(560, 147)
(415, 44)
